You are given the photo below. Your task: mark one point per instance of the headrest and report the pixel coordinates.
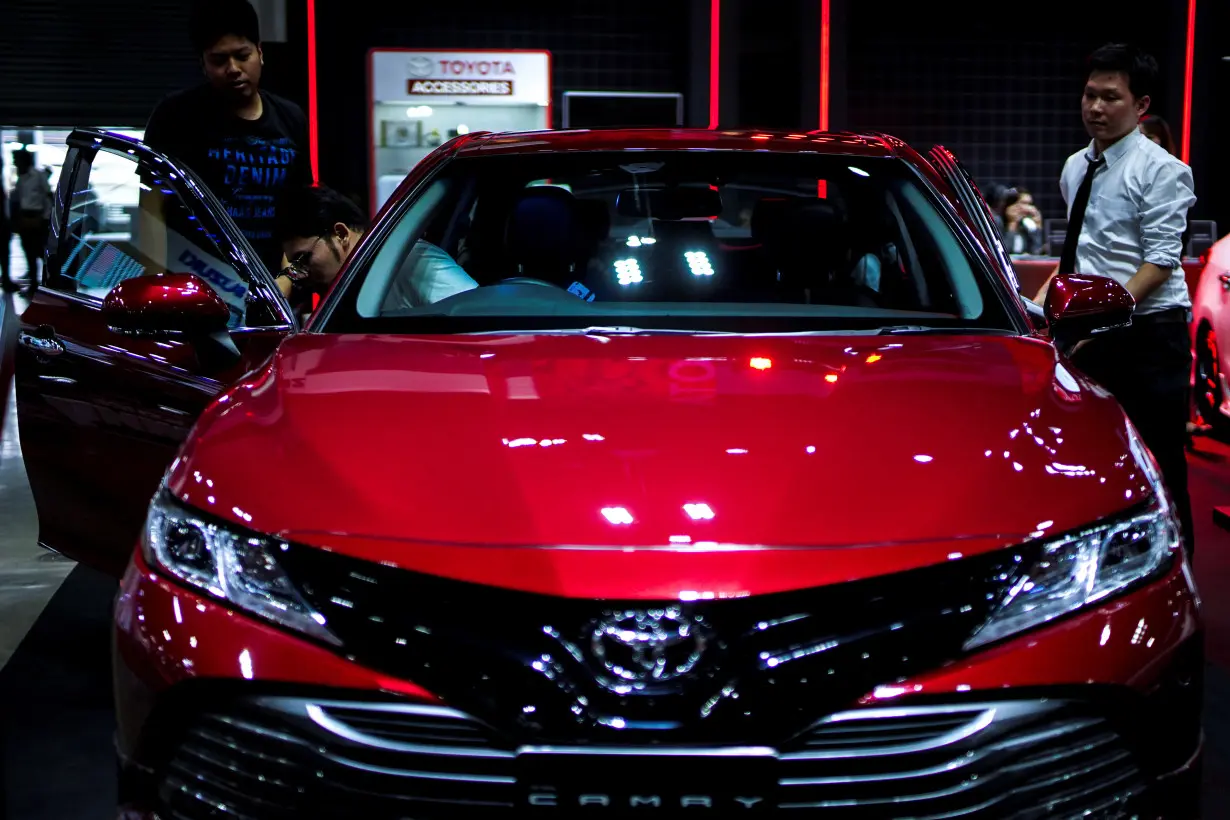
(790, 220)
(767, 216)
(595, 215)
(545, 232)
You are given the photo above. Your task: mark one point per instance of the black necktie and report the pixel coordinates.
(1067, 259)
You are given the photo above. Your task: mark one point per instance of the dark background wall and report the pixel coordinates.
(84, 62)
(1004, 96)
(630, 45)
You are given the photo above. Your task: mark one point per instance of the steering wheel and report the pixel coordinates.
(529, 280)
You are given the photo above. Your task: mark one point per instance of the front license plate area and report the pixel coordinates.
(632, 785)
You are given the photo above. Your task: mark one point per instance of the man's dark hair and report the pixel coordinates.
(214, 19)
(313, 211)
(1139, 66)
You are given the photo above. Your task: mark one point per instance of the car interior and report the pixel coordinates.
(658, 235)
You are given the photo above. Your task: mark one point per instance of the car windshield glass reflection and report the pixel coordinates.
(718, 241)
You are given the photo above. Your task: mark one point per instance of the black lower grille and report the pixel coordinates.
(270, 758)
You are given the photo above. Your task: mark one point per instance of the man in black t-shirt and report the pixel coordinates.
(244, 143)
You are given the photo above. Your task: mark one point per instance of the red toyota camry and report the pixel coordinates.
(631, 473)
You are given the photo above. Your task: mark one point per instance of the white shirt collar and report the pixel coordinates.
(1118, 149)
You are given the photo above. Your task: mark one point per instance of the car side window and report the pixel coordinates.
(127, 219)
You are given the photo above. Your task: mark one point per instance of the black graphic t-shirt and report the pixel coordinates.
(246, 163)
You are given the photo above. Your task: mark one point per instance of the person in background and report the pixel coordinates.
(1156, 129)
(246, 144)
(996, 198)
(318, 228)
(1022, 224)
(6, 235)
(8, 351)
(31, 209)
(1140, 197)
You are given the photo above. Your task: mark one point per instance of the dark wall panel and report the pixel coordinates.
(1004, 97)
(83, 62)
(71, 62)
(597, 45)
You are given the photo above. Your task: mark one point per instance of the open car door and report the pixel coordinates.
(102, 411)
(975, 208)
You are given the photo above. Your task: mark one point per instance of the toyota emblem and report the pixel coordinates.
(638, 647)
(420, 66)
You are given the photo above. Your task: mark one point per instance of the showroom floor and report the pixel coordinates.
(55, 715)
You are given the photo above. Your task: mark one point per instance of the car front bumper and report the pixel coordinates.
(220, 715)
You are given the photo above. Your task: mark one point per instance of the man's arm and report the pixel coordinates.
(151, 238)
(1040, 298)
(1163, 218)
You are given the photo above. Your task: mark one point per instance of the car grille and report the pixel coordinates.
(526, 664)
(278, 757)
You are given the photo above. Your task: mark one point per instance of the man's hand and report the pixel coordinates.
(1146, 280)
(1040, 299)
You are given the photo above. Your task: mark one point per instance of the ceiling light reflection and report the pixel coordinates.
(617, 515)
(699, 512)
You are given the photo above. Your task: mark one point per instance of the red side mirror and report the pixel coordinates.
(1079, 306)
(166, 302)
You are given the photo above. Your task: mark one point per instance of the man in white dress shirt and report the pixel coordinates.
(1128, 200)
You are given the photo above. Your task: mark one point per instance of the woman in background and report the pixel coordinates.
(1021, 225)
(1156, 129)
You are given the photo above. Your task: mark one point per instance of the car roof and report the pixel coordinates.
(674, 139)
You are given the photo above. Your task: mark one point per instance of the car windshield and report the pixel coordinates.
(716, 241)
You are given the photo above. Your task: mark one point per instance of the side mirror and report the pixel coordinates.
(166, 303)
(1078, 307)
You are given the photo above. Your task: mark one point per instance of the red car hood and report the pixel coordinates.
(660, 465)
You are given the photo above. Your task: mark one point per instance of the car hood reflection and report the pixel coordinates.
(395, 448)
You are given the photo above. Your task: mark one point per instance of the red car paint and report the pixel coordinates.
(972, 443)
(597, 468)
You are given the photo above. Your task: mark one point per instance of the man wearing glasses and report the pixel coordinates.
(318, 228)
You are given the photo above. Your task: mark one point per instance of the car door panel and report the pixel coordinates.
(101, 412)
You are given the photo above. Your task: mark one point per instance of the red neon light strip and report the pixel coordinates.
(313, 110)
(1185, 152)
(824, 64)
(715, 50)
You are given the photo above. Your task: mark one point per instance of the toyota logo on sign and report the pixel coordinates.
(420, 66)
(637, 648)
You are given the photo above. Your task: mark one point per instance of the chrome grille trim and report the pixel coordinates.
(981, 716)
(961, 762)
(503, 780)
(318, 715)
(1010, 759)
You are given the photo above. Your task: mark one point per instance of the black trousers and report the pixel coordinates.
(1147, 367)
(33, 240)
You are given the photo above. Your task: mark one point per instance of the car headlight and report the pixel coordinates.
(234, 565)
(1082, 568)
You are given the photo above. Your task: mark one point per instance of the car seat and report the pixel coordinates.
(546, 237)
(807, 240)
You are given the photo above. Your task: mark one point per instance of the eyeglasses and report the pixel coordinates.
(299, 263)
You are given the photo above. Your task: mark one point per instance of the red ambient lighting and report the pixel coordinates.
(715, 51)
(1185, 151)
(313, 111)
(824, 64)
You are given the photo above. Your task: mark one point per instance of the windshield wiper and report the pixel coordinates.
(903, 330)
